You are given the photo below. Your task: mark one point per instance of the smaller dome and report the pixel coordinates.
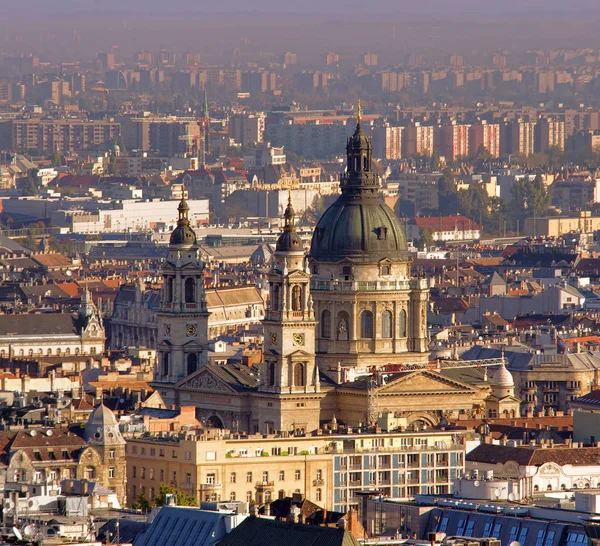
(102, 428)
(501, 377)
(183, 234)
(102, 416)
(289, 240)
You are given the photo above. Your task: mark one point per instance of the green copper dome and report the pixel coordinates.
(359, 225)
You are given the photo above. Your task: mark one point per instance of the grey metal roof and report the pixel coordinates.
(261, 532)
(183, 526)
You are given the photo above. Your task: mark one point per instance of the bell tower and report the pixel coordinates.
(290, 375)
(183, 317)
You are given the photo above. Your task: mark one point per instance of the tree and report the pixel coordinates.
(30, 184)
(555, 156)
(435, 160)
(530, 198)
(142, 503)
(312, 214)
(447, 194)
(182, 498)
(426, 239)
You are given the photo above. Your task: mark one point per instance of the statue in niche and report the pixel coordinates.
(342, 330)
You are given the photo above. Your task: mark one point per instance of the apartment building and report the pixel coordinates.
(387, 142)
(247, 129)
(452, 141)
(329, 468)
(549, 133)
(47, 136)
(486, 135)
(166, 134)
(418, 140)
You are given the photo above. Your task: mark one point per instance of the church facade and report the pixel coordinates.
(334, 317)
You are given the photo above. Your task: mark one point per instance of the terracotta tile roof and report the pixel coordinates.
(125, 383)
(39, 438)
(52, 260)
(446, 223)
(70, 288)
(525, 456)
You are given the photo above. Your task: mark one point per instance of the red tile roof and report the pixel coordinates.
(446, 223)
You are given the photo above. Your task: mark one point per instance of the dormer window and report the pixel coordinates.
(381, 233)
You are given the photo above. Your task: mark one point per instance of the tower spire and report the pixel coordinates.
(358, 113)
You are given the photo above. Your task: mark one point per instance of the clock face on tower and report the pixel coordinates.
(167, 329)
(298, 339)
(190, 330)
(273, 339)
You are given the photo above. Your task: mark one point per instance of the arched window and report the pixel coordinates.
(49, 352)
(190, 290)
(272, 370)
(68, 351)
(326, 324)
(77, 351)
(366, 324)
(296, 298)
(192, 363)
(402, 323)
(169, 289)
(386, 324)
(299, 374)
(30, 352)
(22, 352)
(165, 363)
(275, 298)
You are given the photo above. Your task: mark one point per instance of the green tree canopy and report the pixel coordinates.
(182, 498)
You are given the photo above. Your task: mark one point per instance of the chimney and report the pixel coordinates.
(353, 527)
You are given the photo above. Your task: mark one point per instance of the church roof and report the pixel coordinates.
(45, 324)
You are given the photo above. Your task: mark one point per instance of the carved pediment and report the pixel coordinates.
(204, 381)
(424, 381)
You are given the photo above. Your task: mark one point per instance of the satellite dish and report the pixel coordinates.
(515, 543)
(17, 533)
(511, 497)
(497, 492)
(28, 530)
(33, 433)
(49, 432)
(476, 483)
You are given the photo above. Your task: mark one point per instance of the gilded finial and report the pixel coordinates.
(358, 112)
(289, 196)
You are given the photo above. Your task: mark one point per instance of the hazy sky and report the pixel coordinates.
(340, 7)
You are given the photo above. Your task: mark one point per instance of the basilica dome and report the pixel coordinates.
(359, 225)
